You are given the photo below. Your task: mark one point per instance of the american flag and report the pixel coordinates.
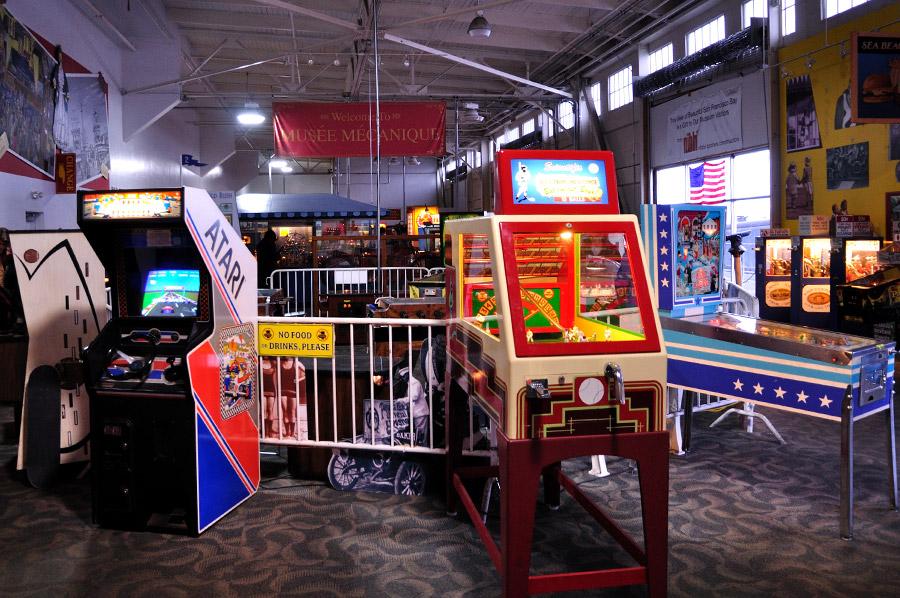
(708, 183)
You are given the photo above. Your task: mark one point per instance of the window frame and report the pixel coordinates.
(626, 90)
(671, 56)
(715, 26)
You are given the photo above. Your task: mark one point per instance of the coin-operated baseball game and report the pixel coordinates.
(554, 334)
(172, 377)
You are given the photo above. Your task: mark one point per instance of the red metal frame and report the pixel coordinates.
(504, 203)
(650, 344)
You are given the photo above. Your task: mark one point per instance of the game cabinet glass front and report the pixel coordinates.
(773, 278)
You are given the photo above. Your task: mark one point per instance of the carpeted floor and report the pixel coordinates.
(747, 517)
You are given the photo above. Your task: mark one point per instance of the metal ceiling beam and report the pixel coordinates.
(308, 12)
(503, 75)
(211, 55)
(448, 14)
(97, 13)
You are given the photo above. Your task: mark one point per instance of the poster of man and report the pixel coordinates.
(802, 123)
(798, 190)
(26, 94)
(847, 166)
(284, 399)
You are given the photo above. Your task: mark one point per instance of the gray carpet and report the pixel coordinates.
(748, 517)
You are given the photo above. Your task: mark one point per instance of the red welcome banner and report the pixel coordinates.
(304, 130)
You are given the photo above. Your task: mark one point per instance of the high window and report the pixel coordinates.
(596, 94)
(788, 17)
(661, 57)
(706, 35)
(551, 126)
(834, 7)
(528, 127)
(753, 8)
(620, 92)
(566, 115)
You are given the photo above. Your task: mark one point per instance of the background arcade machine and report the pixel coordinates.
(819, 264)
(773, 278)
(554, 334)
(172, 377)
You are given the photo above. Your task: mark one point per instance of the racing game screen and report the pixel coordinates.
(171, 293)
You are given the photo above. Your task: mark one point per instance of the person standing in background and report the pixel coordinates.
(266, 258)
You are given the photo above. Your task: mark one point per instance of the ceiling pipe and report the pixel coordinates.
(454, 58)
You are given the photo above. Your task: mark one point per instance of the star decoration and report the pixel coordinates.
(664, 250)
(826, 402)
(802, 396)
(779, 393)
(665, 282)
(757, 389)
(663, 217)
(738, 385)
(664, 266)
(663, 234)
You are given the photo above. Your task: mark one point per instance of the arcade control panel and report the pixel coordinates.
(142, 357)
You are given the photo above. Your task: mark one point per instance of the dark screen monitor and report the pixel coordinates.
(171, 293)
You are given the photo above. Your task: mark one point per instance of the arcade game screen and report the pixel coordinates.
(171, 293)
(559, 182)
(160, 203)
(698, 265)
(861, 258)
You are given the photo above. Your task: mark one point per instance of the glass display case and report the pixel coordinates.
(773, 277)
(819, 264)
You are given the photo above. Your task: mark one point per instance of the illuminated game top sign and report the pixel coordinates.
(556, 182)
(126, 205)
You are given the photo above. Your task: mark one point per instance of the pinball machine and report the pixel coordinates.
(554, 334)
(172, 376)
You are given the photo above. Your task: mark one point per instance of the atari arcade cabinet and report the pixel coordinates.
(554, 333)
(172, 376)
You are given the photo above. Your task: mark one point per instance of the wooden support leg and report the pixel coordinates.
(653, 470)
(551, 486)
(519, 471)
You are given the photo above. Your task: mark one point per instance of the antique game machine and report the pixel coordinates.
(554, 334)
(818, 265)
(172, 376)
(773, 277)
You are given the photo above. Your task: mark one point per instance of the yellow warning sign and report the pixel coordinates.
(296, 340)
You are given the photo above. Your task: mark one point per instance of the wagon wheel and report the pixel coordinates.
(342, 471)
(410, 479)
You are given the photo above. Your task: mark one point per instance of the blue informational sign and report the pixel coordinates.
(559, 182)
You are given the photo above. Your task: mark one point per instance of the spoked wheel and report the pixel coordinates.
(342, 471)
(410, 479)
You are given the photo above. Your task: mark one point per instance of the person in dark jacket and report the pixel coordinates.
(266, 258)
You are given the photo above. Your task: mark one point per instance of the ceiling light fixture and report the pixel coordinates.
(310, 61)
(278, 163)
(413, 161)
(251, 115)
(479, 27)
(286, 169)
(337, 62)
(406, 61)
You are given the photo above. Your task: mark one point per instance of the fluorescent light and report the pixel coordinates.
(215, 171)
(251, 115)
(278, 163)
(286, 169)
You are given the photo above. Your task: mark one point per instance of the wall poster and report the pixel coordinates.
(875, 76)
(847, 167)
(802, 123)
(83, 127)
(703, 123)
(26, 94)
(892, 226)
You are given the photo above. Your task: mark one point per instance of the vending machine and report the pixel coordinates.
(818, 265)
(773, 278)
(686, 267)
(172, 377)
(554, 334)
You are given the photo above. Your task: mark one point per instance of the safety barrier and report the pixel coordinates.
(305, 288)
(383, 389)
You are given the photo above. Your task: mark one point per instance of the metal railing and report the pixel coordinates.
(305, 288)
(382, 390)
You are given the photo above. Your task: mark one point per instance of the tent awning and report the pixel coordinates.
(272, 206)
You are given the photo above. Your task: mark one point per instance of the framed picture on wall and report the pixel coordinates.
(874, 72)
(892, 218)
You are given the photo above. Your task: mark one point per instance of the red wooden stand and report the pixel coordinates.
(522, 462)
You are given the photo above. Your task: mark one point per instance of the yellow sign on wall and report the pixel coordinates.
(296, 340)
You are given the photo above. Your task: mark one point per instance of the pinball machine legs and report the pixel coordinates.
(522, 463)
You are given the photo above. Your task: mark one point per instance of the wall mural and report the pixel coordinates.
(848, 166)
(802, 124)
(82, 125)
(26, 94)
